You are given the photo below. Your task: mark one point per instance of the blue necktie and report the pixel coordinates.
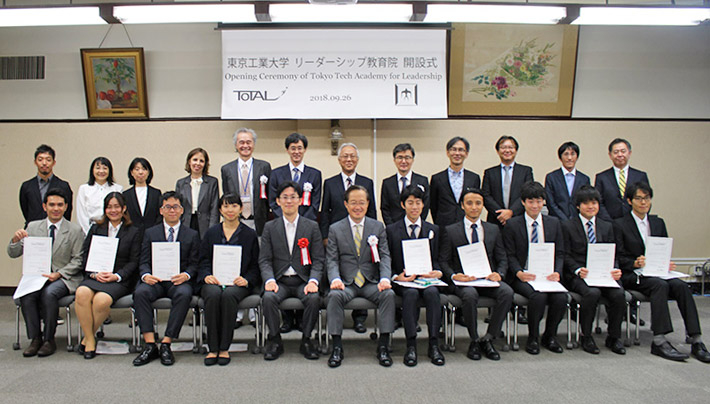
(533, 238)
(52, 228)
(296, 175)
(412, 232)
(474, 234)
(569, 178)
(590, 232)
(171, 235)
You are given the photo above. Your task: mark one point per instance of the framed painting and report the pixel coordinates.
(512, 70)
(114, 82)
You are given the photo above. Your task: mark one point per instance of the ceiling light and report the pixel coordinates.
(483, 13)
(28, 17)
(185, 13)
(340, 12)
(641, 16)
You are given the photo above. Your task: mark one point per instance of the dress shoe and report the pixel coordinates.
(383, 356)
(237, 325)
(48, 348)
(488, 350)
(210, 361)
(667, 351)
(285, 328)
(410, 357)
(700, 352)
(273, 351)
(615, 345)
(33, 348)
(360, 328)
(148, 353)
(224, 360)
(90, 354)
(532, 346)
(589, 345)
(82, 349)
(436, 356)
(633, 320)
(552, 344)
(522, 319)
(336, 357)
(166, 355)
(108, 320)
(474, 351)
(309, 350)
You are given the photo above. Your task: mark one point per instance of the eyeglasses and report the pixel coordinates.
(457, 150)
(357, 203)
(171, 207)
(404, 158)
(289, 197)
(642, 198)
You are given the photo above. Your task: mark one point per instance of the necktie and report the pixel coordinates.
(533, 238)
(569, 178)
(246, 191)
(348, 183)
(171, 235)
(296, 175)
(622, 182)
(590, 232)
(413, 231)
(359, 277)
(52, 228)
(506, 186)
(474, 234)
(404, 184)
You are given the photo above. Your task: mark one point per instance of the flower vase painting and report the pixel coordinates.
(512, 70)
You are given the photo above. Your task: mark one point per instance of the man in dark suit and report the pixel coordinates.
(358, 264)
(32, 191)
(631, 232)
(248, 177)
(561, 184)
(178, 288)
(533, 227)
(612, 183)
(296, 170)
(580, 231)
(469, 230)
(291, 259)
(390, 205)
(413, 227)
(447, 185)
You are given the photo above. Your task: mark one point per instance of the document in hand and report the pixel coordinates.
(541, 263)
(600, 263)
(29, 284)
(226, 263)
(102, 254)
(166, 259)
(417, 257)
(658, 256)
(36, 255)
(474, 260)
(481, 283)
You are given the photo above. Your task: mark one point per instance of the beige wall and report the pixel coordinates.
(673, 153)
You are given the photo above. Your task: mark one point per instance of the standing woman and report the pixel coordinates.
(90, 198)
(221, 301)
(142, 200)
(99, 290)
(200, 193)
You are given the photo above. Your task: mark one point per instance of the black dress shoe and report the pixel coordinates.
(532, 346)
(237, 325)
(383, 356)
(82, 349)
(48, 348)
(309, 350)
(552, 344)
(615, 345)
(700, 353)
(589, 345)
(633, 320)
(488, 350)
(410, 358)
(336, 357)
(667, 351)
(210, 361)
(436, 356)
(148, 353)
(273, 351)
(224, 360)
(360, 328)
(90, 354)
(285, 328)
(166, 355)
(522, 319)
(33, 348)
(108, 320)
(474, 351)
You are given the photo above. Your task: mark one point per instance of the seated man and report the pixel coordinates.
(413, 227)
(631, 231)
(587, 228)
(533, 227)
(178, 288)
(65, 276)
(472, 230)
(288, 271)
(358, 263)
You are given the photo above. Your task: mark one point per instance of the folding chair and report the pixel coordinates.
(165, 303)
(250, 302)
(65, 302)
(455, 302)
(577, 300)
(125, 302)
(519, 300)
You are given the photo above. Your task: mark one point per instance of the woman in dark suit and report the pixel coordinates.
(142, 200)
(99, 290)
(221, 300)
(199, 193)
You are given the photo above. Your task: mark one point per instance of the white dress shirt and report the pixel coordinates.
(399, 180)
(479, 229)
(290, 239)
(142, 197)
(195, 185)
(90, 203)
(643, 225)
(540, 232)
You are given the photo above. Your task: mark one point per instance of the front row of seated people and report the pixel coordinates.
(363, 258)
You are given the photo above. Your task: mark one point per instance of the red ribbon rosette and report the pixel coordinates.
(305, 255)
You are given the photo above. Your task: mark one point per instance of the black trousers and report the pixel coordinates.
(503, 296)
(556, 302)
(146, 294)
(290, 286)
(43, 304)
(588, 306)
(221, 314)
(410, 311)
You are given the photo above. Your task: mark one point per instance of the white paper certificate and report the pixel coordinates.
(102, 254)
(166, 259)
(37, 255)
(541, 259)
(226, 263)
(474, 260)
(417, 257)
(600, 263)
(658, 256)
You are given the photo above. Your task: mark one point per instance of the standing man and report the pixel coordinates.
(561, 184)
(392, 187)
(178, 288)
(447, 186)
(612, 183)
(33, 191)
(65, 275)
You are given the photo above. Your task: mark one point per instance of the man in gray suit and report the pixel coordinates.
(358, 263)
(67, 239)
(291, 260)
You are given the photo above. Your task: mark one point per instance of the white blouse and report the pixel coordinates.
(90, 203)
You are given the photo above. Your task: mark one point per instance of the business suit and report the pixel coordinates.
(343, 262)
(576, 244)
(629, 246)
(31, 199)
(145, 294)
(515, 238)
(275, 259)
(559, 202)
(493, 190)
(445, 207)
(390, 205)
(333, 208)
(454, 237)
(231, 184)
(207, 205)
(613, 205)
(309, 174)
(66, 260)
(151, 216)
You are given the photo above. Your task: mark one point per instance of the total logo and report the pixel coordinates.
(406, 95)
(257, 95)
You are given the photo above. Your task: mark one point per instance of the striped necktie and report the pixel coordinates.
(590, 232)
(622, 182)
(533, 236)
(359, 277)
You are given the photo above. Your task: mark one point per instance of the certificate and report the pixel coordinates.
(541, 263)
(547, 286)
(481, 283)
(417, 285)
(474, 260)
(102, 254)
(226, 263)
(36, 255)
(417, 257)
(29, 284)
(165, 259)
(600, 263)
(658, 256)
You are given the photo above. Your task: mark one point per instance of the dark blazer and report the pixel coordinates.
(275, 257)
(342, 260)
(630, 245)
(515, 238)
(310, 174)
(151, 217)
(230, 184)
(208, 202)
(390, 205)
(575, 236)
(397, 231)
(243, 236)
(445, 209)
(612, 205)
(189, 249)
(127, 254)
(31, 200)
(559, 202)
(333, 197)
(493, 190)
(455, 236)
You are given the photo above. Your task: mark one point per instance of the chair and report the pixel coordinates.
(165, 303)
(577, 300)
(250, 302)
(65, 302)
(519, 300)
(125, 302)
(357, 303)
(294, 303)
(444, 305)
(455, 302)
